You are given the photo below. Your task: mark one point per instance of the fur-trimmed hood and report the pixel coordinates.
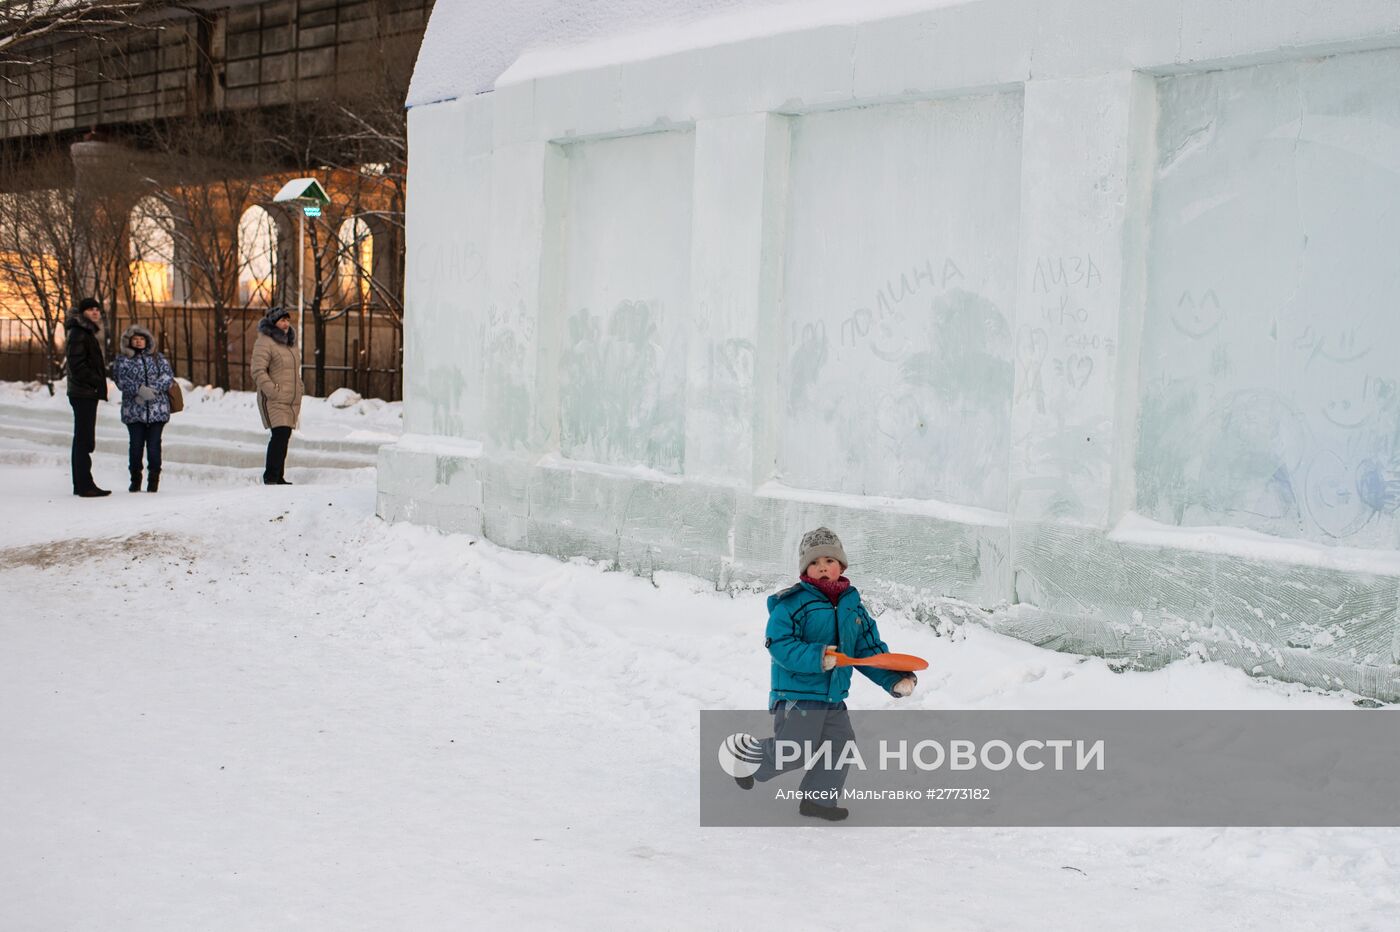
(76, 319)
(268, 328)
(137, 330)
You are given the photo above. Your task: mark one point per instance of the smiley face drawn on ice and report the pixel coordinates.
(1196, 317)
(1378, 398)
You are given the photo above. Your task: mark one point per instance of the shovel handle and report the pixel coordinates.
(902, 663)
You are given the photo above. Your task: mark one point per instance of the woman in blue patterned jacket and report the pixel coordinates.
(144, 378)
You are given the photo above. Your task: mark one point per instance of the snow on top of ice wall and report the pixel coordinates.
(471, 44)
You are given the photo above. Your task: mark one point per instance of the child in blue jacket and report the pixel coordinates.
(807, 622)
(144, 377)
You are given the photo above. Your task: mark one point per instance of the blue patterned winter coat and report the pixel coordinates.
(132, 369)
(801, 623)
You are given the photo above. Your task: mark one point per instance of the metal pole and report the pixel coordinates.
(301, 272)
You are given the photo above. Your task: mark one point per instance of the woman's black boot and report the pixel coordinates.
(136, 480)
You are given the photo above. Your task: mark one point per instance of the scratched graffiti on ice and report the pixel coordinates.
(619, 400)
(920, 409)
(1270, 389)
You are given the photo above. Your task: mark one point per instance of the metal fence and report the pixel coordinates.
(22, 357)
(363, 348)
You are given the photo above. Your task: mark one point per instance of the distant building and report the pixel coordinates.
(121, 110)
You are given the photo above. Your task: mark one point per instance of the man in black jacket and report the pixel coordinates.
(87, 385)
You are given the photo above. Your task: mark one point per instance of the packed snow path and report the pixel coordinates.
(234, 707)
(216, 428)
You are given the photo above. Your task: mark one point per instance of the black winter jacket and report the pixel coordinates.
(87, 371)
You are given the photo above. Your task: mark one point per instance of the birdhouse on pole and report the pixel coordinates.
(306, 193)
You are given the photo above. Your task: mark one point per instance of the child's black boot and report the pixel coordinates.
(817, 811)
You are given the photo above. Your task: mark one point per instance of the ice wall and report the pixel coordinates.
(1271, 394)
(899, 292)
(1081, 307)
(446, 274)
(626, 297)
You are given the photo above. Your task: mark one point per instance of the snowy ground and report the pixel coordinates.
(342, 416)
(234, 707)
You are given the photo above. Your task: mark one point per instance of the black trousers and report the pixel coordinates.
(84, 441)
(144, 437)
(277, 454)
(808, 724)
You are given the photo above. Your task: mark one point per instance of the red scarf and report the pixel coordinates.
(831, 588)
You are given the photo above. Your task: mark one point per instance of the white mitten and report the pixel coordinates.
(904, 687)
(829, 659)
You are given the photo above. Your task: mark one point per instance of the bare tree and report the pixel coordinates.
(210, 174)
(54, 249)
(340, 275)
(24, 20)
(36, 267)
(358, 144)
(27, 27)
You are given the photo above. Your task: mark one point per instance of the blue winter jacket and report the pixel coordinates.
(132, 369)
(801, 623)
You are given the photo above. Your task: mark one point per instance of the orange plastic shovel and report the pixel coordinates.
(904, 663)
